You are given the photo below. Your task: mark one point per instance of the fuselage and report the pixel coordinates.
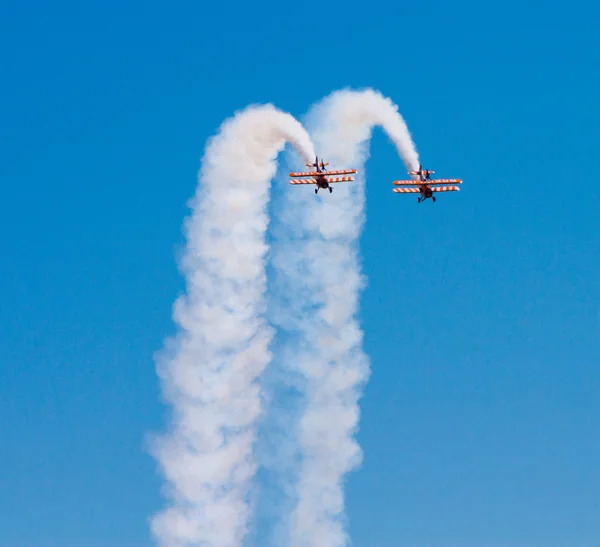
(322, 181)
(426, 191)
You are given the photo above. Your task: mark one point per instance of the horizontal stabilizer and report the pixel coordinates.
(325, 173)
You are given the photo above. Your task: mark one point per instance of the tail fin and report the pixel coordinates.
(315, 164)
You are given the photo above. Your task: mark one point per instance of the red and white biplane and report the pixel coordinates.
(425, 185)
(322, 177)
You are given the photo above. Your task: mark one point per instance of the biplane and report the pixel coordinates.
(425, 186)
(321, 177)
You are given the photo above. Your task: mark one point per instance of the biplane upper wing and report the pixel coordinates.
(305, 174)
(341, 172)
(326, 173)
(427, 182)
(330, 180)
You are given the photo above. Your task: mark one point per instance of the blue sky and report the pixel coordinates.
(482, 314)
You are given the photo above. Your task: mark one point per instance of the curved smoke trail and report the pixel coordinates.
(317, 274)
(209, 371)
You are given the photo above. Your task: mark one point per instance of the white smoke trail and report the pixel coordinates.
(317, 276)
(209, 371)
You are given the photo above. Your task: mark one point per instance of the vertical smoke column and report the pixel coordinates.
(210, 370)
(317, 284)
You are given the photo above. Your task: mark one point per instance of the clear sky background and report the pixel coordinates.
(480, 423)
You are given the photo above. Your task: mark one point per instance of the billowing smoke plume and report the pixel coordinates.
(210, 370)
(317, 287)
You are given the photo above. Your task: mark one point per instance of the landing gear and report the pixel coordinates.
(419, 200)
(316, 190)
(433, 198)
(330, 189)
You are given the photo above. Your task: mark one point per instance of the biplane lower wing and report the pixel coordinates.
(323, 173)
(406, 190)
(303, 181)
(340, 179)
(329, 180)
(445, 189)
(418, 190)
